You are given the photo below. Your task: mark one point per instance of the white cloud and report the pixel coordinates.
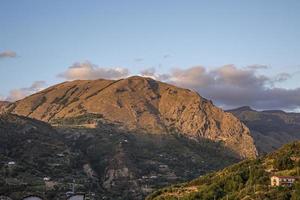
(17, 94)
(87, 70)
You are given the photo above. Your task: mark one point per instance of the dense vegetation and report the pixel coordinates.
(247, 180)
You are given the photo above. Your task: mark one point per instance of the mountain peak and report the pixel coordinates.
(137, 103)
(243, 108)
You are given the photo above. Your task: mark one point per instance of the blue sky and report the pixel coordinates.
(49, 36)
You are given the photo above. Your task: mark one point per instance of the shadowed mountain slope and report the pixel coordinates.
(31, 150)
(270, 129)
(108, 162)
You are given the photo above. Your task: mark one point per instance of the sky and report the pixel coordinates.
(234, 52)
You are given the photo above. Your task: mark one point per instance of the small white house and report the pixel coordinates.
(46, 178)
(282, 181)
(11, 163)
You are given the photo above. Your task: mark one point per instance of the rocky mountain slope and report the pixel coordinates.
(246, 180)
(142, 104)
(104, 161)
(3, 104)
(270, 129)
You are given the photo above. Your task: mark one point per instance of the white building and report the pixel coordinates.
(282, 181)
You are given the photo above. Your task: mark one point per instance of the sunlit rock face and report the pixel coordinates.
(139, 103)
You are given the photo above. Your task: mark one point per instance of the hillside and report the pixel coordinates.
(106, 161)
(138, 104)
(270, 129)
(246, 180)
(31, 150)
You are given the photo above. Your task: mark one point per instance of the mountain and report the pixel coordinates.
(270, 129)
(138, 104)
(248, 179)
(104, 161)
(3, 104)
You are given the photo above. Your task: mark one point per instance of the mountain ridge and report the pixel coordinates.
(270, 128)
(139, 103)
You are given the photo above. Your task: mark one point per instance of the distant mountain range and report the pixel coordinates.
(270, 129)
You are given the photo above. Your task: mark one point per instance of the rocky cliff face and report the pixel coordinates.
(141, 104)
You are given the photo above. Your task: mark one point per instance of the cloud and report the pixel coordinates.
(138, 59)
(151, 73)
(167, 56)
(258, 66)
(87, 70)
(282, 77)
(230, 87)
(17, 94)
(8, 54)
(2, 98)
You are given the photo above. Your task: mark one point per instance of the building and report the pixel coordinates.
(46, 178)
(283, 180)
(10, 163)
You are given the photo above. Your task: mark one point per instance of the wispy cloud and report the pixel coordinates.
(167, 56)
(138, 59)
(17, 94)
(87, 70)
(8, 54)
(257, 66)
